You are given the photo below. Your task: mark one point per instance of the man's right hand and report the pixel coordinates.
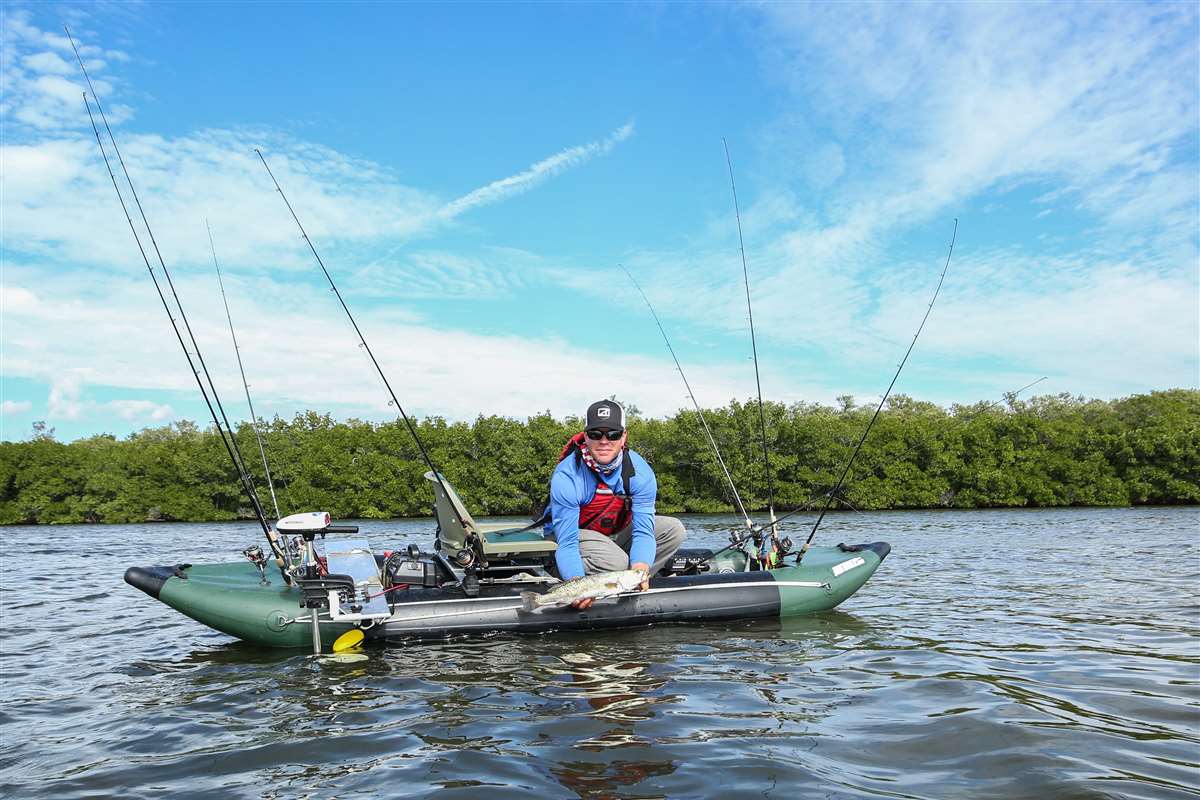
(583, 604)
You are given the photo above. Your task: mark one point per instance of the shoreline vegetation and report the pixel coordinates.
(1052, 450)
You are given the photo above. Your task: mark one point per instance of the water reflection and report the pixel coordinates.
(1048, 668)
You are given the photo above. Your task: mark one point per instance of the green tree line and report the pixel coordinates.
(1054, 450)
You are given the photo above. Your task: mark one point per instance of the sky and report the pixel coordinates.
(474, 177)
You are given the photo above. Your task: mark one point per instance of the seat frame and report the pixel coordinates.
(499, 541)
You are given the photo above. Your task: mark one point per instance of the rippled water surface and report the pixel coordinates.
(994, 654)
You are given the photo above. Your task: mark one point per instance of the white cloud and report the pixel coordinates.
(65, 401)
(965, 96)
(43, 91)
(1101, 328)
(140, 410)
(309, 359)
(48, 62)
(906, 117)
(15, 406)
(1097, 116)
(422, 274)
(539, 172)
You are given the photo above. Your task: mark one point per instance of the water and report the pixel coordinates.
(995, 654)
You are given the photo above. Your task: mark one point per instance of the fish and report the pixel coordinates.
(600, 585)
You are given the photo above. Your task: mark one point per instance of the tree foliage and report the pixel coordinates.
(1054, 450)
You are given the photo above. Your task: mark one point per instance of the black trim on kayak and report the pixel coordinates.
(151, 579)
(880, 549)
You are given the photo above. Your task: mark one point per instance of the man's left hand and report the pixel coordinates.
(645, 568)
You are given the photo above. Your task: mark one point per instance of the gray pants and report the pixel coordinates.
(602, 553)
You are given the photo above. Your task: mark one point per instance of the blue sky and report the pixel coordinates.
(473, 175)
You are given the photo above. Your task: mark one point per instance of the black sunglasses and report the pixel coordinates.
(612, 436)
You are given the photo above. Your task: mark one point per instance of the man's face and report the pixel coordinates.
(602, 449)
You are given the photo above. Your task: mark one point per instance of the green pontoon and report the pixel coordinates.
(471, 584)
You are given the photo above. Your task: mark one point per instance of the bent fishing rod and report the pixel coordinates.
(262, 451)
(858, 447)
(762, 419)
(740, 537)
(703, 422)
(362, 342)
(204, 380)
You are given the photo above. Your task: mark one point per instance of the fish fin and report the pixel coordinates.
(528, 601)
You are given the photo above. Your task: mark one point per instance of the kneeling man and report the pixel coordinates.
(602, 503)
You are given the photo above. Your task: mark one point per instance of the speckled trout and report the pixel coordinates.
(602, 584)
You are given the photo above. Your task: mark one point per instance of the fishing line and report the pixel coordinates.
(830, 495)
(226, 432)
(238, 351)
(703, 422)
(362, 341)
(829, 498)
(1008, 396)
(808, 506)
(762, 419)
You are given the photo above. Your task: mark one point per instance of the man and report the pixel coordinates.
(602, 503)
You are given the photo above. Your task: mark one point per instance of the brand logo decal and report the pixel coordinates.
(603, 413)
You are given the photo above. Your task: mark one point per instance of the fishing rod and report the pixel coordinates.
(361, 340)
(703, 422)
(216, 409)
(831, 495)
(739, 537)
(762, 419)
(829, 498)
(1007, 397)
(262, 451)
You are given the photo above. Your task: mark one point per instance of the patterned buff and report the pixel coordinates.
(603, 469)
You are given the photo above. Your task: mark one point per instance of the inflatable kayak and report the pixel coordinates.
(472, 584)
(233, 599)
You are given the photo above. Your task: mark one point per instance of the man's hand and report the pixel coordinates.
(644, 568)
(583, 604)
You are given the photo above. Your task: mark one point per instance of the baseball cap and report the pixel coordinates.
(605, 415)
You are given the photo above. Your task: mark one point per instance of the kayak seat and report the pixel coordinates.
(500, 540)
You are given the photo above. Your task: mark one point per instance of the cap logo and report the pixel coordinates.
(603, 413)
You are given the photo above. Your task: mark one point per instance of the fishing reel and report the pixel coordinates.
(255, 554)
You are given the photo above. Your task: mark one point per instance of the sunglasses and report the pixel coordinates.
(612, 436)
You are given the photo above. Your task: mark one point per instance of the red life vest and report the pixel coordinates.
(607, 512)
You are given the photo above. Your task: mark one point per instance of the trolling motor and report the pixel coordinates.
(309, 525)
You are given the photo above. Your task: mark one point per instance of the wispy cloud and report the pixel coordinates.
(352, 207)
(42, 90)
(959, 98)
(921, 115)
(539, 172)
(68, 402)
(15, 406)
(435, 369)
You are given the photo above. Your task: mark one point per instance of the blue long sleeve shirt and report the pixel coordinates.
(573, 485)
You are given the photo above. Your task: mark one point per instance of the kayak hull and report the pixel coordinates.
(236, 599)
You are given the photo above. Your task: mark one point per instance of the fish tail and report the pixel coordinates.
(528, 601)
